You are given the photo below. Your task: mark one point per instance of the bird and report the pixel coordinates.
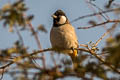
(63, 37)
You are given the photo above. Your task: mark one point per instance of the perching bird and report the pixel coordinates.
(63, 36)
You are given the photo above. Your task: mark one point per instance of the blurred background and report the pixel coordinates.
(42, 11)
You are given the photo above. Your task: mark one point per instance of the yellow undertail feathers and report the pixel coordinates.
(75, 53)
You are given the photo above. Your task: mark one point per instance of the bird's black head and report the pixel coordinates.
(59, 18)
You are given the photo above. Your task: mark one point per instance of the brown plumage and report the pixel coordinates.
(62, 35)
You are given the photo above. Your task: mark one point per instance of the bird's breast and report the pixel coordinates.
(63, 37)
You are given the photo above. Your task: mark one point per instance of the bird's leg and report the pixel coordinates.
(72, 49)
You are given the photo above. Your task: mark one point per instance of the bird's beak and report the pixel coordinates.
(54, 16)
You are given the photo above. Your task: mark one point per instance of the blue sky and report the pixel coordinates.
(42, 11)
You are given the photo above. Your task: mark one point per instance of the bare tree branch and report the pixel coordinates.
(99, 24)
(94, 14)
(7, 65)
(108, 31)
(103, 61)
(38, 42)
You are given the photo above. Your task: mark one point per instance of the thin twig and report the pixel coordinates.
(98, 41)
(21, 39)
(99, 24)
(94, 14)
(108, 31)
(19, 35)
(53, 59)
(100, 11)
(38, 42)
(3, 68)
(103, 61)
(2, 74)
(6, 65)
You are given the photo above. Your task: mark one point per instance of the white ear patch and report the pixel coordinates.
(62, 20)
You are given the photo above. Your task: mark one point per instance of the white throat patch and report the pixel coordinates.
(62, 20)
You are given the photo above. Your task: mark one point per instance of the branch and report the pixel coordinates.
(16, 59)
(92, 52)
(2, 74)
(7, 65)
(19, 35)
(103, 61)
(41, 51)
(99, 13)
(92, 7)
(85, 50)
(3, 69)
(100, 10)
(53, 59)
(108, 21)
(108, 31)
(38, 42)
